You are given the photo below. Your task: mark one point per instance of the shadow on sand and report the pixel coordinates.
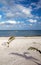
(24, 55)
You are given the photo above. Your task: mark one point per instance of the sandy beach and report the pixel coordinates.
(17, 53)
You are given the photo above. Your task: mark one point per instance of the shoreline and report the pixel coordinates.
(23, 37)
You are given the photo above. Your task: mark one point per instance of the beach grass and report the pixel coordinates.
(33, 48)
(10, 39)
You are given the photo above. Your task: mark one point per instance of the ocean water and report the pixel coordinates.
(6, 33)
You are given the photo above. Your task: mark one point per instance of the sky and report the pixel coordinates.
(20, 14)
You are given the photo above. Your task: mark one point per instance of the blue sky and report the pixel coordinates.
(20, 14)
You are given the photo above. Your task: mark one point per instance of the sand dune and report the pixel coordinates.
(17, 53)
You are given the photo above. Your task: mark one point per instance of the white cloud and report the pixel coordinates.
(12, 25)
(9, 21)
(13, 10)
(9, 14)
(32, 21)
(2, 23)
(38, 5)
(12, 22)
(30, 24)
(16, 11)
(24, 10)
(0, 16)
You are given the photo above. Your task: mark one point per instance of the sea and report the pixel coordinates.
(24, 33)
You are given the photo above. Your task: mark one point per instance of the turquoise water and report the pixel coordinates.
(20, 33)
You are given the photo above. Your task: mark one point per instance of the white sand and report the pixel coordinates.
(17, 53)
